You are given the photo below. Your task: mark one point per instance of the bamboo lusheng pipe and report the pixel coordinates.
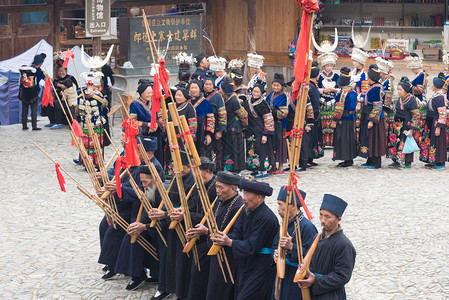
(191, 143)
(295, 154)
(144, 204)
(161, 205)
(192, 241)
(305, 292)
(174, 223)
(301, 272)
(174, 113)
(174, 148)
(215, 248)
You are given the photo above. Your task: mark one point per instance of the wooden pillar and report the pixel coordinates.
(56, 26)
(209, 24)
(251, 25)
(96, 46)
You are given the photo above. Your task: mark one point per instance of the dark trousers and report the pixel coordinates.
(33, 114)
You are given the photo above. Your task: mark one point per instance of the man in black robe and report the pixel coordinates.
(334, 258)
(174, 271)
(288, 289)
(199, 276)
(202, 65)
(251, 242)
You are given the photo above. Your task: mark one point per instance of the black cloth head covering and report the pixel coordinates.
(226, 85)
(149, 142)
(289, 83)
(198, 83)
(185, 92)
(279, 77)
(439, 81)
(256, 187)
(143, 84)
(39, 59)
(315, 70)
(207, 164)
(334, 204)
(143, 169)
(236, 73)
(184, 67)
(199, 58)
(283, 195)
(374, 73)
(227, 177)
(184, 159)
(345, 77)
(405, 84)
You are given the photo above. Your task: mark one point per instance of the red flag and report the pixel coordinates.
(131, 151)
(156, 101)
(302, 45)
(61, 179)
(67, 54)
(47, 97)
(164, 77)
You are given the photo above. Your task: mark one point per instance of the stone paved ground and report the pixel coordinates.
(396, 219)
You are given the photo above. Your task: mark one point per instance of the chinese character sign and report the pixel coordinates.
(98, 17)
(184, 32)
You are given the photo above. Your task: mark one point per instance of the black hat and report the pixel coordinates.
(149, 142)
(289, 83)
(345, 77)
(236, 73)
(283, 195)
(226, 85)
(143, 169)
(315, 70)
(198, 83)
(199, 58)
(374, 73)
(184, 159)
(405, 84)
(439, 81)
(207, 164)
(227, 177)
(279, 77)
(143, 84)
(185, 92)
(39, 59)
(184, 67)
(256, 187)
(333, 204)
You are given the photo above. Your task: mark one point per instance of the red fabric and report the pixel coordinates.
(309, 6)
(76, 127)
(156, 101)
(164, 77)
(131, 150)
(120, 162)
(294, 177)
(67, 54)
(47, 97)
(302, 55)
(294, 133)
(61, 179)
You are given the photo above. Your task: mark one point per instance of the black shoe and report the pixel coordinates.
(161, 296)
(24, 128)
(135, 282)
(346, 164)
(108, 275)
(105, 268)
(37, 128)
(313, 164)
(342, 163)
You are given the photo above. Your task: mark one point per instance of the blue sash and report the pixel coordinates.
(265, 251)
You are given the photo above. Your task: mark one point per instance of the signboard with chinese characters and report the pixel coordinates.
(184, 31)
(98, 18)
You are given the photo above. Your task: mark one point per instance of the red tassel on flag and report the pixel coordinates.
(76, 127)
(156, 101)
(47, 97)
(67, 54)
(118, 165)
(61, 179)
(164, 77)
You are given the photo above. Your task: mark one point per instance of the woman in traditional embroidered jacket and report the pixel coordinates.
(237, 119)
(327, 85)
(140, 110)
(90, 107)
(433, 148)
(345, 147)
(419, 88)
(185, 108)
(316, 133)
(359, 79)
(204, 115)
(405, 124)
(372, 122)
(259, 132)
(277, 101)
(215, 149)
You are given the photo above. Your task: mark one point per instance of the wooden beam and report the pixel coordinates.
(25, 8)
(56, 26)
(124, 3)
(251, 24)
